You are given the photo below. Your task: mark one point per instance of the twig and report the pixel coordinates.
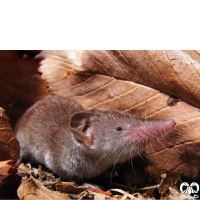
(163, 176)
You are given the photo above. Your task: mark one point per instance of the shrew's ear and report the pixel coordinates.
(79, 124)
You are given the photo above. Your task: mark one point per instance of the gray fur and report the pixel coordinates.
(75, 143)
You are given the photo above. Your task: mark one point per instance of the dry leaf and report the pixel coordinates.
(98, 196)
(116, 79)
(126, 195)
(72, 189)
(6, 170)
(9, 179)
(21, 84)
(33, 189)
(9, 147)
(172, 72)
(69, 188)
(23, 170)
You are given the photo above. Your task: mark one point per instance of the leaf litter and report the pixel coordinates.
(39, 184)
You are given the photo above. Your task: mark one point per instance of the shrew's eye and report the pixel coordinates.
(118, 128)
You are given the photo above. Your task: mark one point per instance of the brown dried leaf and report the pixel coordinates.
(69, 188)
(116, 79)
(21, 84)
(172, 72)
(33, 189)
(23, 170)
(9, 179)
(6, 170)
(9, 146)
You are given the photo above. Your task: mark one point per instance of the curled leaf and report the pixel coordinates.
(9, 179)
(69, 188)
(33, 189)
(9, 147)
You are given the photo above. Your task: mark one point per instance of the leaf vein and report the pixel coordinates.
(123, 70)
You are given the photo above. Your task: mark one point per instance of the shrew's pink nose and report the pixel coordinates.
(152, 128)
